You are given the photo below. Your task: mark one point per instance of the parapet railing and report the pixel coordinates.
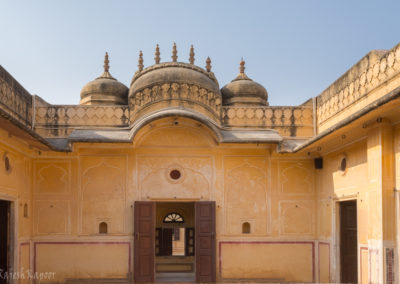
(15, 101)
(75, 116)
(352, 87)
(288, 121)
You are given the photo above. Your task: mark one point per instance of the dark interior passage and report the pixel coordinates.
(4, 238)
(348, 242)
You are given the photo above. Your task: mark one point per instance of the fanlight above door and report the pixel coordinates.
(173, 218)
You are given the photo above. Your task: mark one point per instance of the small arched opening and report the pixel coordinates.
(103, 228)
(246, 228)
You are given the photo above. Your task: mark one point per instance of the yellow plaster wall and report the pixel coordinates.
(80, 260)
(74, 192)
(269, 261)
(292, 198)
(369, 179)
(15, 186)
(334, 185)
(324, 263)
(24, 261)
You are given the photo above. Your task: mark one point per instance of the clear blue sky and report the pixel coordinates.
(294, 48)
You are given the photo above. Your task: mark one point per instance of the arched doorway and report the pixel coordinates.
(175, 241)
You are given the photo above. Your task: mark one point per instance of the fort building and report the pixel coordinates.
(176, 178)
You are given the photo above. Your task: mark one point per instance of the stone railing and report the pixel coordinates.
(289, 121)
(60, 120)
(370, 72)
(15, 101)
(73, 116)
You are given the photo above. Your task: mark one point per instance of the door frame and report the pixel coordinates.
(13, 234)
(337, 239)
(154, 223)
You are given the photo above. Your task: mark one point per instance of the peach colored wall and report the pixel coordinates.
(83, 259)
(96, 183)
(368, 179)
(334, 185)
(324, 262)
(15, 186)
(283, 198)
(290, 206)
(290, 262)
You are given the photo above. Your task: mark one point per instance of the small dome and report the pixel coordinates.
(243, 91)
(104, 90)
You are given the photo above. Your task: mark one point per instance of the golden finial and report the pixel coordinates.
(140, 61)
(191, 55)
(157, 58)
(208, 64)
(241, 68)
(174, 53)
(106, 63)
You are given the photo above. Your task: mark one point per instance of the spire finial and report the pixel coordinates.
(208, 64)
(140, 61)
(191, 55)
(106, 63)
(106, 66)
(241, 68)
(157, 55)
(242, 75)
(174, 53)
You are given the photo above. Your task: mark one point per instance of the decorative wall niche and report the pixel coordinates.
(246, 194)
(246, 228)
(52, 177)
(103, 228)
(296, 177)
(102, 196)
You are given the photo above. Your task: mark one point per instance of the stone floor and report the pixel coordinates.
(175, 277)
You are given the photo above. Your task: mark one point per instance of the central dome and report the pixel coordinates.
(173, 72)
(172, 85)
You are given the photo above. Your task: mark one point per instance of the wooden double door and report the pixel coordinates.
(144, 244)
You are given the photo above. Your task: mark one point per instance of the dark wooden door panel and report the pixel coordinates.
(205, 241)
(189, 242)
(144, 244)
(348, 242)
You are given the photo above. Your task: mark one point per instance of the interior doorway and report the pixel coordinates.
(348, 242)
(5, 257)
(175, 241)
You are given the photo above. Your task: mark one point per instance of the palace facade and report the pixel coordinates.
(177, 179)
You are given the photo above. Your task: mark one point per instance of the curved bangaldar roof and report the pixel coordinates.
(173, 72)
(174, 84)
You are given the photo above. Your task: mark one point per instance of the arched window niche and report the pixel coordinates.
(103, 228)
(246, 228)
